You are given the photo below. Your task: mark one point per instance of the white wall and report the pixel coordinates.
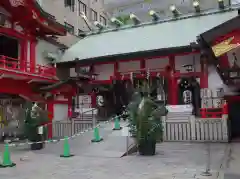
(62, 13)
(43, 47)
(214, 80)
(73, 72)
(104, 71)
(157, 63)
(128, 66)
(60, 112)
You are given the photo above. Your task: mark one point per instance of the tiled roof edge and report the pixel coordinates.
(180, 17)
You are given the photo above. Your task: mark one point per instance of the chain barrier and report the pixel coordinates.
(64, 138)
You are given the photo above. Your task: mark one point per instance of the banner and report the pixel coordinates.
(225, 46)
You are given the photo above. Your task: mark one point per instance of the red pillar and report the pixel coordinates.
(24, 54)
(93, 99)
(173, 88)
(70, 106)
(204, 70)
(143, 64)
(50, 108)
(116, 70)
(33, 45)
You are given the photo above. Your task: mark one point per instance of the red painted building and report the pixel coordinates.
(25, 42)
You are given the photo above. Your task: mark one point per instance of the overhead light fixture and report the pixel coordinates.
(154, 15)
(99, 25)
(174, 10)
(196, 6)
(135, 19)
(221, 4)
(83, 15)
(117, 22)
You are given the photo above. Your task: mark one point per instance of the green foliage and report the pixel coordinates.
(33, 122)
(145, 116)
(125, 19)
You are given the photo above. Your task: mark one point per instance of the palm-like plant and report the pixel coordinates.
(35, 117)
(145, 119)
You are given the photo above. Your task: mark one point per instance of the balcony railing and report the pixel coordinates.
(14, 64)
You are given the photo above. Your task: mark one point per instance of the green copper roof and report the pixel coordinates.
(161, 35)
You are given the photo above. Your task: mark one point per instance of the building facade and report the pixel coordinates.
(141, 8)
(26, 55)
(168, 53)
(68, 12)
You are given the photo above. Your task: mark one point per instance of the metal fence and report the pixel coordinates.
(177, 131)
(69, 128)
(201, 130)
(77, 124)
(210, 130)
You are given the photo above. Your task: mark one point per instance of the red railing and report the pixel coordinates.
(9, 63)
(213, 112)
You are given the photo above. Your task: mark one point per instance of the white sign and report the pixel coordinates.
(40, 130)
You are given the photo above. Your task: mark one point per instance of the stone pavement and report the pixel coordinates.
(173, 161)
(232, 164)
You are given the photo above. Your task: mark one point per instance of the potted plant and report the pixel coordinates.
(145, 121)
(35, 117)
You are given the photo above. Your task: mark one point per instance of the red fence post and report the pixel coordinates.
(225, 108)
(203, 112)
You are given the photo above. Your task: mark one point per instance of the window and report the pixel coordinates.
(69, 27)
(70, 4)
(103, 20)
(82, 7)
(94, 15)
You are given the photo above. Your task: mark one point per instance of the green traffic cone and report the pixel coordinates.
(7, 158)
(117, 124)
(96, 136)
(66, 149)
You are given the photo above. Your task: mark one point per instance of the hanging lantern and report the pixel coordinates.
(100, 101)
(131, 77)
(196, 6)
(148, 74)
(99, 25)
(174, 10)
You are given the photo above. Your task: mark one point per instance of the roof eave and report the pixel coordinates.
(127, 56)
(60, 27)
(220, 30)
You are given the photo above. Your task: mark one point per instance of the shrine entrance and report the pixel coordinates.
(189, 92)
(123, 90)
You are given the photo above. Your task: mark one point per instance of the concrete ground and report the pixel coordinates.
(103, 161)
(232, 165)
(173, 161)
